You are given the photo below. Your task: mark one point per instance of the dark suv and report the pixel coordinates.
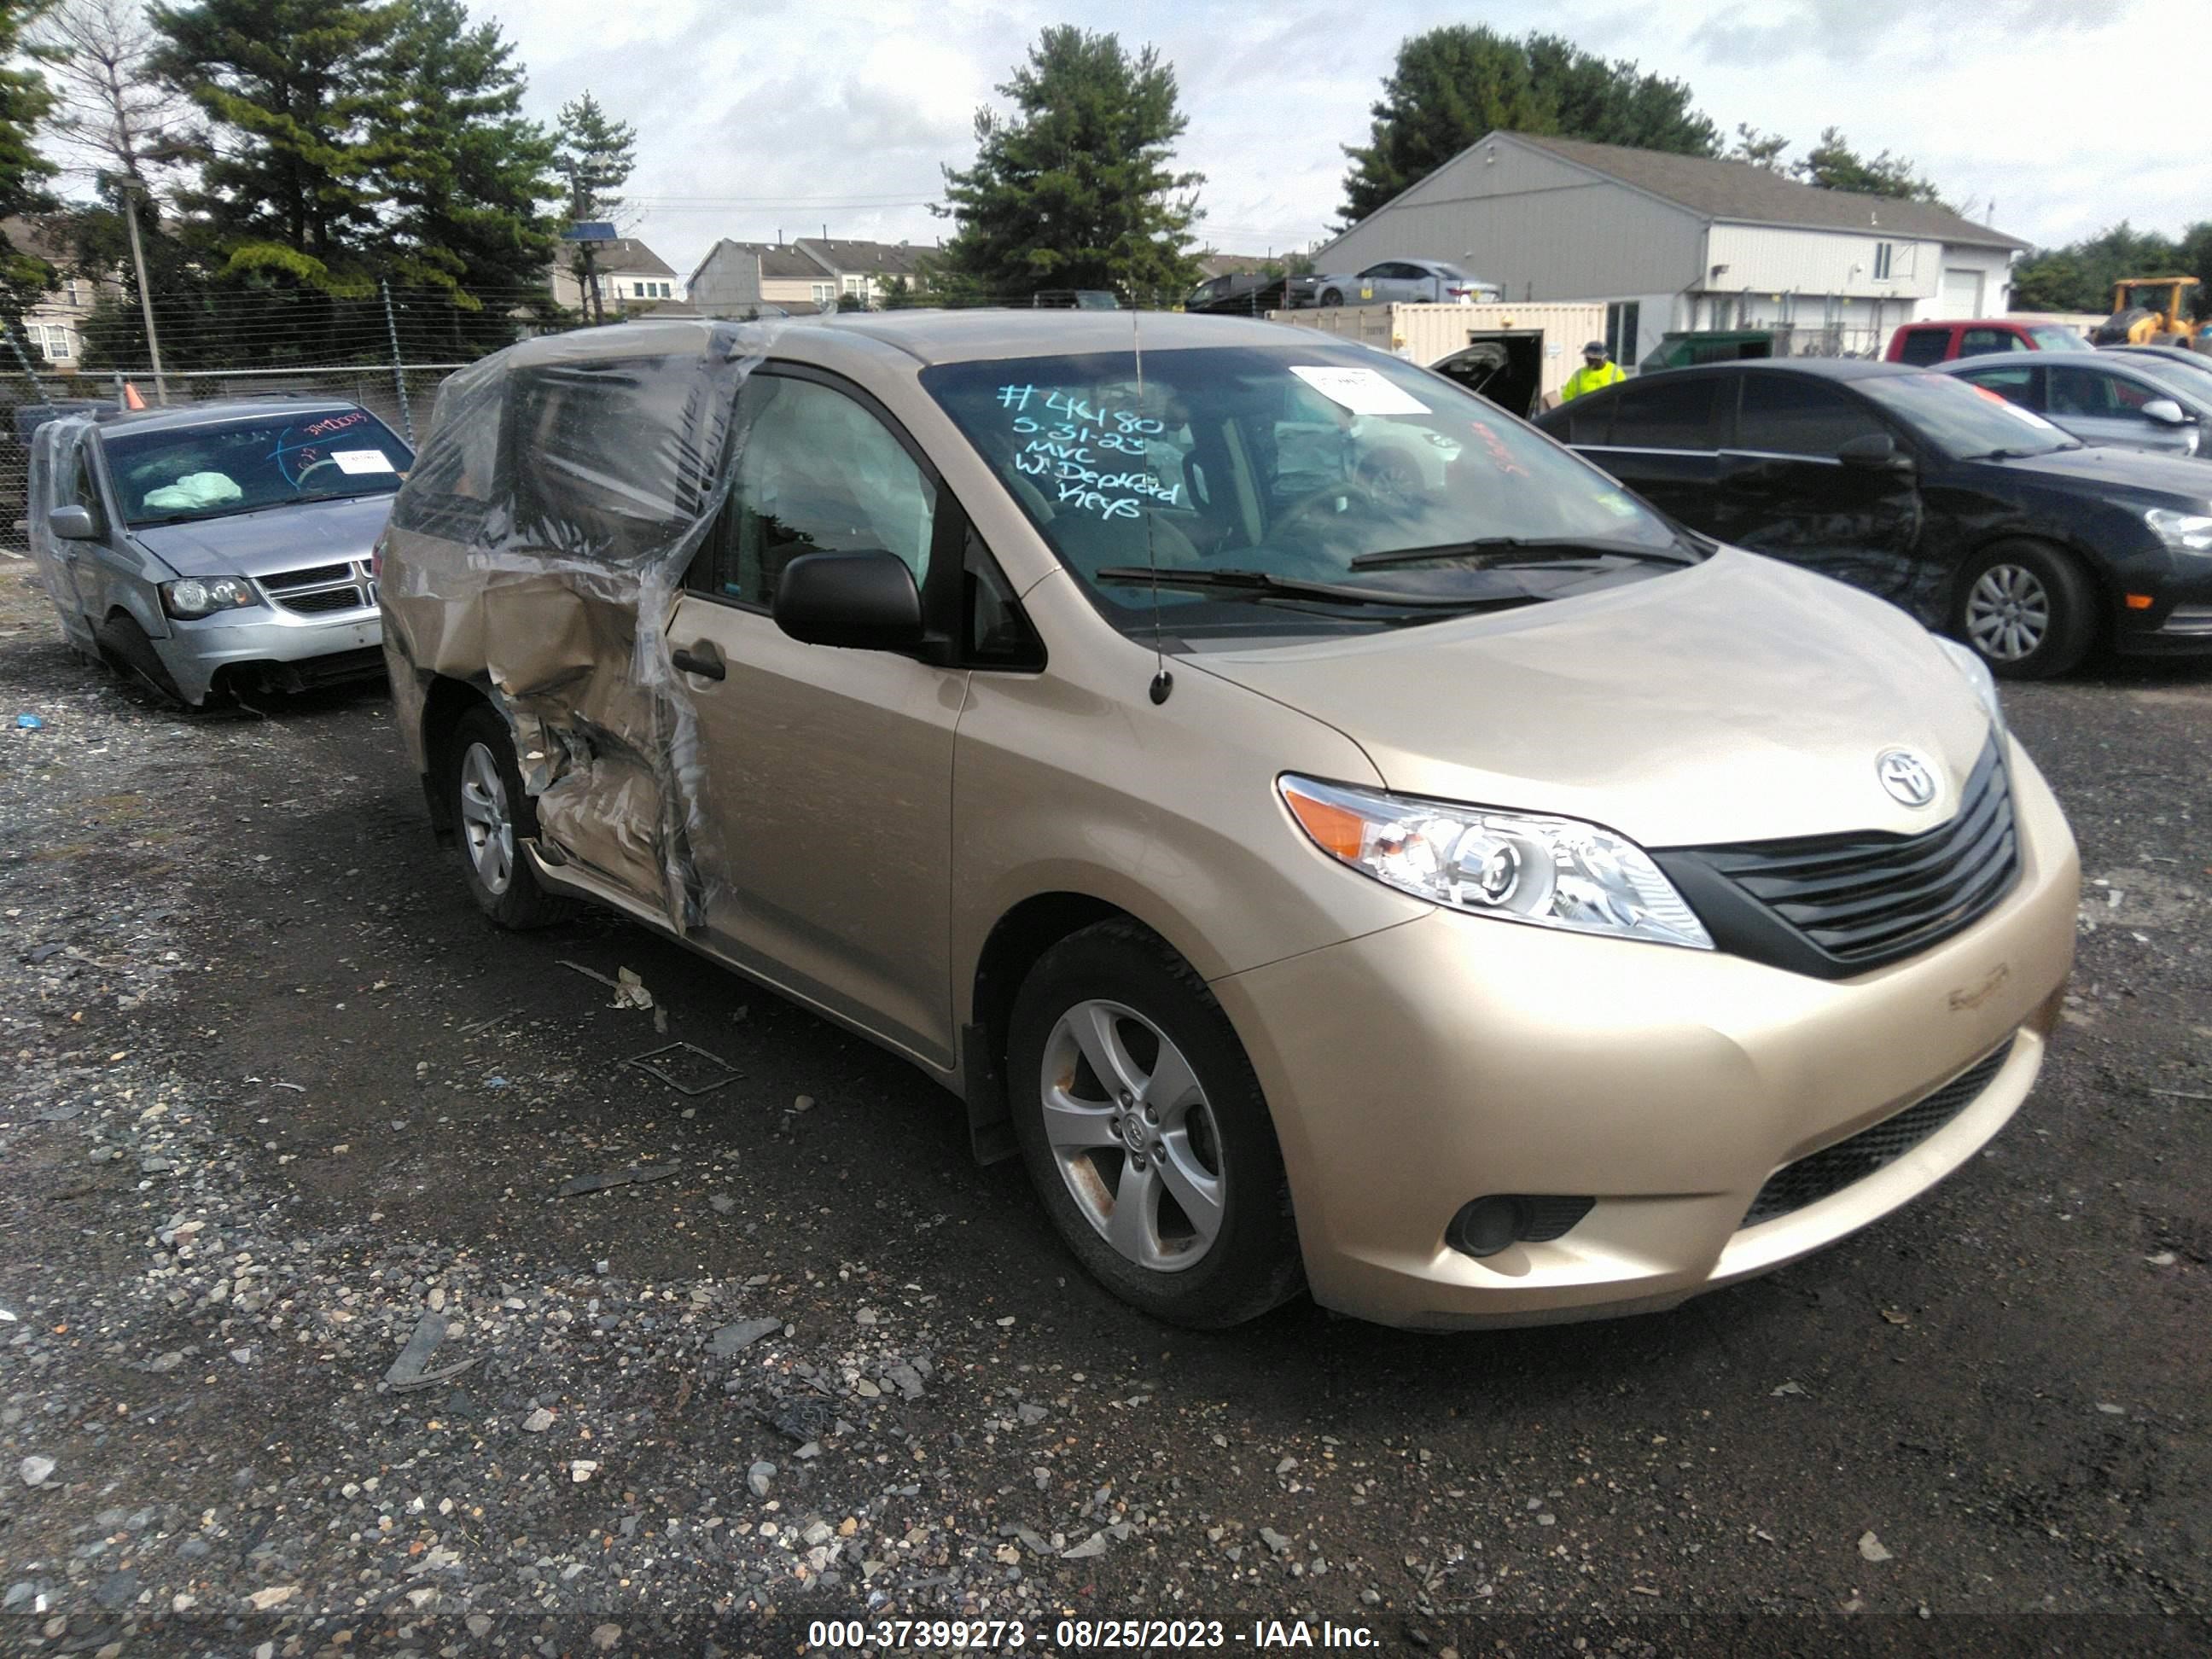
(1982, 518)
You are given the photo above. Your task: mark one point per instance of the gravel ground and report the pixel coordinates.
(357, 1294)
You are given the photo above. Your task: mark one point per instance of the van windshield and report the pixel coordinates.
(1344, 486)
(170, 475)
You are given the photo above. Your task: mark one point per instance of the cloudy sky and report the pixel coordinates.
(763, 116)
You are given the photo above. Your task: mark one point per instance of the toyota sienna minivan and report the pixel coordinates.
(1451, 888)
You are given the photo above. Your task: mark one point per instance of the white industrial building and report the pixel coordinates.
(1677, 242)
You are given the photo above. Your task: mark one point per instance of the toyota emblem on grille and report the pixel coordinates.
(1907, 776)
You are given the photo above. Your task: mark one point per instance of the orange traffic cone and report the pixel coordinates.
(131, 398)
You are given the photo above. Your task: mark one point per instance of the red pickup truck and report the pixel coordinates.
(1978, 336)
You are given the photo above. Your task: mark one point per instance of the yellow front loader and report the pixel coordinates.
(2147, 311)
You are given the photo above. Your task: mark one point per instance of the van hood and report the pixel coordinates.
(1739, 701)
(299, 535)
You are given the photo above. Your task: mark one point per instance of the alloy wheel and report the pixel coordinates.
(1132, 1136)
(486, 820)
(2008, 612)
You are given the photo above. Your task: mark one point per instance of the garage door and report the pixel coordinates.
(1962, 292)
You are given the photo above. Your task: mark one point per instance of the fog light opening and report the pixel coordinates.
(1483, 1226)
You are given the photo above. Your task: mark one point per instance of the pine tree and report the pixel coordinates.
(595, 154)
(294, 111)
(1077, 189)
(468, 176)
(1832, 164)
(26, 101)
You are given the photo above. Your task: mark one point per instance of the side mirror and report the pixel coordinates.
(2165, 412)
(1874, 449)
(863, 601)
(72, 524)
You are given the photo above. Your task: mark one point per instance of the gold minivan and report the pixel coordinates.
(1336, 836)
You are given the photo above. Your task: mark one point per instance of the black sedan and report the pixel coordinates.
(1982, 518)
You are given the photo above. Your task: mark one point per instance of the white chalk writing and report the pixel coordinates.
(1067, 451)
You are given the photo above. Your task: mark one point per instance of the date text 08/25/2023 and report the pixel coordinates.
(1083, 1636)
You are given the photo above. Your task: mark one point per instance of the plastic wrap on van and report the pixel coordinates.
(49, 444)
(537, 552)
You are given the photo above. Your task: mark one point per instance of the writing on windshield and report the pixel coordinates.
(1094, 457)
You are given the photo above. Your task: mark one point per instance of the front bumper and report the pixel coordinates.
(2176, 622)
(1449, 1058)
(289, 649)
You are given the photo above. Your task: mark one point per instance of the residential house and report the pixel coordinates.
(1679, 242)
(631, 278)
(812, 274)
(54, 329)
(737, 279)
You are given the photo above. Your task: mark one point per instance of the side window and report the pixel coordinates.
(1785, 416)
(997, 634)
(1590, 419)
(1924, 345)
(2015, 386)
(2081, 391)
(815, 472)
(1668, 411)
(81, 491)
(1976, 342)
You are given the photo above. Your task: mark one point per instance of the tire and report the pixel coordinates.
(2027, 609)
(126, 645)
(1330, 296)
(1116, 990)
(491, 816)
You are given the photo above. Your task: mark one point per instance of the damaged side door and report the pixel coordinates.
(822, 833)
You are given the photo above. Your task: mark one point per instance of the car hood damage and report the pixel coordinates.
(548, 579)
(1675, 711)
(267, 542)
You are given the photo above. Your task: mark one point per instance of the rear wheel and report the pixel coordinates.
(1330, 296)
(492, 817)
(2028, 609)
(1145, 1131)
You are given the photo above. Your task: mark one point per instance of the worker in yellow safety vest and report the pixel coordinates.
(1596, 371)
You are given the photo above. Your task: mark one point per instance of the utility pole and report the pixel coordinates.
(399, 363)
(145, 293)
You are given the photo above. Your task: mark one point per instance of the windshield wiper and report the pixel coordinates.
(1520, 547)
(1259, 584)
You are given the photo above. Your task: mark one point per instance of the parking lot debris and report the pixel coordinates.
(1275, 1541)
(1872, 1549)
(36, 1471)
(723, 1203)
(1792, 1387)
(410, 1371)
(577, 1185)
(734, 1339)
(1093, 1546)
(759, 1479)
(39, 953)
(686, 1067)
(629, 990)
(538, 1422)
(27, 722)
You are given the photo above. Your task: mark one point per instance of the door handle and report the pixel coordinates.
(702, 660)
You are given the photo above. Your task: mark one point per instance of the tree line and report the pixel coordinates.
(286, 160)
(300, 153)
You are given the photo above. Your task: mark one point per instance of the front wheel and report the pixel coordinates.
(2028, 609)
(1329, 296)
(492, 816)
(1145, 1133)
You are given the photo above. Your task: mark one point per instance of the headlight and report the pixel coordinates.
(1545, 872)
(1969, 663)
(2189, 532)
(203, 596)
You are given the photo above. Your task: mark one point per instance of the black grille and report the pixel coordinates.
(1831, 1169)
(330, 598)
(320, 574)
(1838, 905)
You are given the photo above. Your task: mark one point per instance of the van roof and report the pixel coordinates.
(933, 337)
(180, 415)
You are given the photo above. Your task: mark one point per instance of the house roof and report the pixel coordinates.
(777, 259)
(844, 256)
(1740, 191)
(628, 256)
